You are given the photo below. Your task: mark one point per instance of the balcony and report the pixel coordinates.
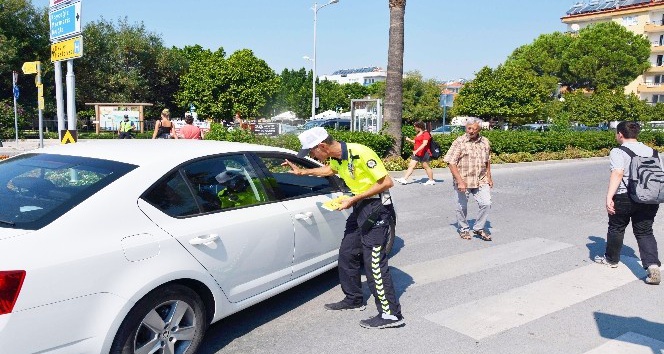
(654, 26)
(657, 48)
(650, 88)
(655, 70)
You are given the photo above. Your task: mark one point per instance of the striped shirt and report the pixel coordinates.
(471, 158)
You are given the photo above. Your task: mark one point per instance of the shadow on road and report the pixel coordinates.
(237, 325)
(619, 328)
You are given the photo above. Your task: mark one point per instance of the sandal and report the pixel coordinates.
(483, 235)
(465, 235)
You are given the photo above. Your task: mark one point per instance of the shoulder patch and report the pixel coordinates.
(371, 163)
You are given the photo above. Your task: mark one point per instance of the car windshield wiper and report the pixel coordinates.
(10, 223)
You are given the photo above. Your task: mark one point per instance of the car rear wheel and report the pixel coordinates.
(168, 320)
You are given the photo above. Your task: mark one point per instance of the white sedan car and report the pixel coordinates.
(136, 246)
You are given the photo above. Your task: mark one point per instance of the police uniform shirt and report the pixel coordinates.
(359, 167)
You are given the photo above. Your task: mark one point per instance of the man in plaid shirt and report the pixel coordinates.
(469, 159)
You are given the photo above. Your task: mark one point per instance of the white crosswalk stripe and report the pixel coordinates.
(458, 265)
(630, 343)
(494, 314)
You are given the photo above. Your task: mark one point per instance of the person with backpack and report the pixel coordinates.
(421, 154)
(635, 169)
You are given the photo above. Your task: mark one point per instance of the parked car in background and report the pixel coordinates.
(449, 129)
(137, 246)
(333, 123)
(535, 127)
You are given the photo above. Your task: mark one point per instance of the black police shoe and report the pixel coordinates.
(343, 305)
(379, 322)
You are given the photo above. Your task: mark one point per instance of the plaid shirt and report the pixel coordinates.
(471, 158)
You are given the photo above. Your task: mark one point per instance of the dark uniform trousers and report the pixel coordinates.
(370, 247)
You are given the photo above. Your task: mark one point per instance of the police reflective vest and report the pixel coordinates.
(360, 167)
(126, 126)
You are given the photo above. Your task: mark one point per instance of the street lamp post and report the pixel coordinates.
(313, 60)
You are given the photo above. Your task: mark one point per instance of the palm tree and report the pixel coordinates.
(393, 85)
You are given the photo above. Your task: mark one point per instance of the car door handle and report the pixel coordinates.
(304, 216)
(203, 240)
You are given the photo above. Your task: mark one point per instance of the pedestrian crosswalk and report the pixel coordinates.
(495, 314)
(458, 265)
(630, 343)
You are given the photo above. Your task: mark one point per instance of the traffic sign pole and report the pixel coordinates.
(15, 80)
(59, 103)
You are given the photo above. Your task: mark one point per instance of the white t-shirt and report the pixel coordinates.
(620, 160)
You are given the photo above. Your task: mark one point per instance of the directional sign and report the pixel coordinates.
(30, 67)
(68, 136)
(65, 22)
(53, 3)
(16, 92)
(68, 49)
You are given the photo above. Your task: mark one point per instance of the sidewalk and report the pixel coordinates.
(11, 148)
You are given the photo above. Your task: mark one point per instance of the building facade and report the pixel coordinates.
(645, 17)
(363, 76)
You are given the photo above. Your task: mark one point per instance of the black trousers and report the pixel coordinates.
(368, 246)
(642, 217)
(125, 135)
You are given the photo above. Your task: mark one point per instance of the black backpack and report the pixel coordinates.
(435, 148)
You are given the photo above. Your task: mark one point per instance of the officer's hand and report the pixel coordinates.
(346, 203)
(294, 169)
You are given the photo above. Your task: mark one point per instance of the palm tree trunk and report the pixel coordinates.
(394, 81)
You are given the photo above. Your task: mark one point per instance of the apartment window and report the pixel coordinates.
(629, 21)
(659, 60)
(657, 99)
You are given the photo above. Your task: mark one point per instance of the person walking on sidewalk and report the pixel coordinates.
(421, 154)
(367, 226)
(469, 160)
(621, 208)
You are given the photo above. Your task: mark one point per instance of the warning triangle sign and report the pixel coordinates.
(68, 136)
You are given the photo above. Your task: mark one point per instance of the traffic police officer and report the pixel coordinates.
(367, 226)
(125, 128)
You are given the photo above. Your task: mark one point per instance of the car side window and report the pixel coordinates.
(224, 182)
(287, 185)
(173, 196)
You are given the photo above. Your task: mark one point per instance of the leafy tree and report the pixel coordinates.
(602, 106)
(544, 56)
(125, 62)
(200, 85)
(24, 36)
(421, 99)
(507, 93)
(219, 87)
(294, 93)
(605, 54)
(393, 86)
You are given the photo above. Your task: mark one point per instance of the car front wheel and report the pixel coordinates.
(168, 320)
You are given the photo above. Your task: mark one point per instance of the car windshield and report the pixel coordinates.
(36, 189)
(312, 124)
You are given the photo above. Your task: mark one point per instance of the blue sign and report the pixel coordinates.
(16, 92)
(66, 21)
(446, 100)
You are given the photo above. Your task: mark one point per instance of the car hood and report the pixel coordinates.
(7, 233)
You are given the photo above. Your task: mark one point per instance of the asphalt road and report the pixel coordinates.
(534, 289)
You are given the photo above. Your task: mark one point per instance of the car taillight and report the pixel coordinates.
(10, 285)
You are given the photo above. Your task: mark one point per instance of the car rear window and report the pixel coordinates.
(36, 189)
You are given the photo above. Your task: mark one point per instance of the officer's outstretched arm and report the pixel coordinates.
(323, 171)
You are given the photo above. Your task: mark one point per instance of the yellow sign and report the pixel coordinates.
(68, 136)
(40, 102)
(40, 90)
(68, 49)
(30, 67)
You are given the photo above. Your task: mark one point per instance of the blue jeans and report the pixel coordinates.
(642, 217)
